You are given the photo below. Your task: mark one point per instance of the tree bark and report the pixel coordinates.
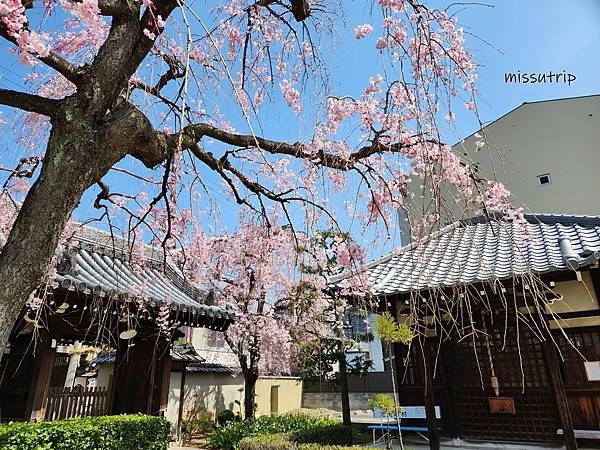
(79, 153)
(344, 388)
(250, 380)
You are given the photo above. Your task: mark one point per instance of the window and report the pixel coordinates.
(215, 339)
(544, 179)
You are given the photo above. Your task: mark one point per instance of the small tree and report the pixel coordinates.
(391, 332)
(330, 252)
(388, 407)
(253, 273)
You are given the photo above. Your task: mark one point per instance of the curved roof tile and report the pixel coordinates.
(90, 269)
(485, 249)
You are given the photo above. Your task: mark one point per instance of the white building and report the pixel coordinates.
(547, 153)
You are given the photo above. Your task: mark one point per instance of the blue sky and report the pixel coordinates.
(527, 35)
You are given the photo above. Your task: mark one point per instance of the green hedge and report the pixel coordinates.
(229, 436)
(329, 435)
(124, 432)
(285, 442)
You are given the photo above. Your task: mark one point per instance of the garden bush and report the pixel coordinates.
(199, 421)
(124, 432)
(337, 434)
(230, 435)
(226, 416)
(285, 442)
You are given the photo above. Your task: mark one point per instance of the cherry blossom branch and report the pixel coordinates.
(194, 133)
(223, 165)
(56, 62)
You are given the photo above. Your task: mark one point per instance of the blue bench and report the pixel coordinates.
(418, 430)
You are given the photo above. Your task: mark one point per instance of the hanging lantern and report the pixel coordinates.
(128, 334)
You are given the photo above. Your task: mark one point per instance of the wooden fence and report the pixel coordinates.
(64, 403)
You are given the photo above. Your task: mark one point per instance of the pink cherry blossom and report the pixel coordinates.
(291, 95)
(362, 31)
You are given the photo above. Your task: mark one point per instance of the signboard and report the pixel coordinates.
(502, 405)
(411, 412)
(592, 370)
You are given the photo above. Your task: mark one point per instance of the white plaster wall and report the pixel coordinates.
(577, 295)
(104, 373)
(216, 392)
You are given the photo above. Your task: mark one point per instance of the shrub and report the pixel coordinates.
(267, 442)
(230, 435)
(124, 432)
(385, 403)
(226, 416)
(199, 421)
(285, 442)
(337, 434)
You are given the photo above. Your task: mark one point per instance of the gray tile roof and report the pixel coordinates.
(94, 265)
(209, 368)
(479, 249)
(178, 353)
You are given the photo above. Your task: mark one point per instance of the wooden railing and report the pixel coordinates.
(64, 403)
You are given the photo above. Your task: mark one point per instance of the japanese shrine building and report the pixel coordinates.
(102, 301)
(502, 362)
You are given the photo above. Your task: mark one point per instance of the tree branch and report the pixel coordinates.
(300, 9)
(194, 133)
(115, 7)
(56, 62)
(29, 102)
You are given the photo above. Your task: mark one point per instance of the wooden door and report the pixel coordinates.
(519, 364)
(583, 395)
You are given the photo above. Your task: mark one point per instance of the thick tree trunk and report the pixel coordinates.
(250, 380)
(33, 239)
(78, 155)
(344, 389)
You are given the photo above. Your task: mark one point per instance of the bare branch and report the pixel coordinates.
(29, 102)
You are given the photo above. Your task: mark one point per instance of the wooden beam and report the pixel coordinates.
(595, 276)
(559, 394)
(434, 437)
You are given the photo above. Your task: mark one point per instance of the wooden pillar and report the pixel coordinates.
(450, 362)
(162, 378)
(44, 364)
(559, 394)
(427, 377)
